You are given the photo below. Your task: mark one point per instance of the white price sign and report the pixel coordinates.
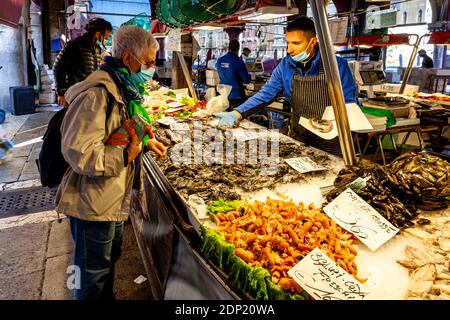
(324, 280)
(304, 164)
(355, 215)
(173, 40)
(338, 29)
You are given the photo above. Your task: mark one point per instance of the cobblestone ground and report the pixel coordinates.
(36, 249)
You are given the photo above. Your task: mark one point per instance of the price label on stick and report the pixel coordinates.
(324, 280)
(174, 40)
(304, 164)
(355, 215)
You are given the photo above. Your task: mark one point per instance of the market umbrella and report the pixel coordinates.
(165, 16)
(223, 7)
(179, 15)
(196, 10)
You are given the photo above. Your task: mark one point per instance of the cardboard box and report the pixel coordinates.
(212, 81)
(46, 72)
(212, 74)
(46, 79)
(47, 88)
(47, 98)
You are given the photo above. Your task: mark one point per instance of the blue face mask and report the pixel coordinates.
(147, 73)
(302, 56)
(144, 75)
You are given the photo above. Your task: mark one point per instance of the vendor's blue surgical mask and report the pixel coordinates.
(302, 56)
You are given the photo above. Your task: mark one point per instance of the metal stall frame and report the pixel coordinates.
(334, 81)
(160, 215)
(411, 62)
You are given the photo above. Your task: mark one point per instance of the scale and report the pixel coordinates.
(255, 68)
(254, 65)
(369, 74)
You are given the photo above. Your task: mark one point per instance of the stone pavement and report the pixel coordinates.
(36, 249)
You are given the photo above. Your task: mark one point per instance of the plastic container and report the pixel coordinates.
(22, 100)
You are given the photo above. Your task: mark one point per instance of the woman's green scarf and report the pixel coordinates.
(131, 89)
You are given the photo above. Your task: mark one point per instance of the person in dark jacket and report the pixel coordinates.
(301, 79)
(233, 71)
(427, 62)
(80, 57)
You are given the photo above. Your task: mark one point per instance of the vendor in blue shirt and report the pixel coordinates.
(233, 71)
(301, 79)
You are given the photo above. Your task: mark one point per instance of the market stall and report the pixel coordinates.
(186, 206)
(178, 221)
(249, 213)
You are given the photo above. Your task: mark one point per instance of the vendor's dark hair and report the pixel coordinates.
(234, 45)
(304, 24)
(98, 24)
(246, 49)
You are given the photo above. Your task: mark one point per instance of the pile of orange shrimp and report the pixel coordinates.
(277, 234)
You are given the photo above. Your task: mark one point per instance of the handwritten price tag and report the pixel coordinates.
(355, 215)
(303, 164)
(324, 280)
(174, 40)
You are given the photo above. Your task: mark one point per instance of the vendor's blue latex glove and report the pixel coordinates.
(228, 119)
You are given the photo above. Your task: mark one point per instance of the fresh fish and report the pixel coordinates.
(321, 125)
(444, 243)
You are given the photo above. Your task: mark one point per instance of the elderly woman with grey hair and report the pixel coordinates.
(96, 189)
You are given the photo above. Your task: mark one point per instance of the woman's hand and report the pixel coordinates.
(62, 102)
(159, 148)
(135, 146)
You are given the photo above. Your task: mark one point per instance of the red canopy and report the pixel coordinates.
(10, 12)
(439, 38)
(380, 40)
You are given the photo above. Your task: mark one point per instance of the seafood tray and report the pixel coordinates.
(276, 234)
(429, 262)
(386, 278)
(376, 192)
(229, 181)
(422, 179)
